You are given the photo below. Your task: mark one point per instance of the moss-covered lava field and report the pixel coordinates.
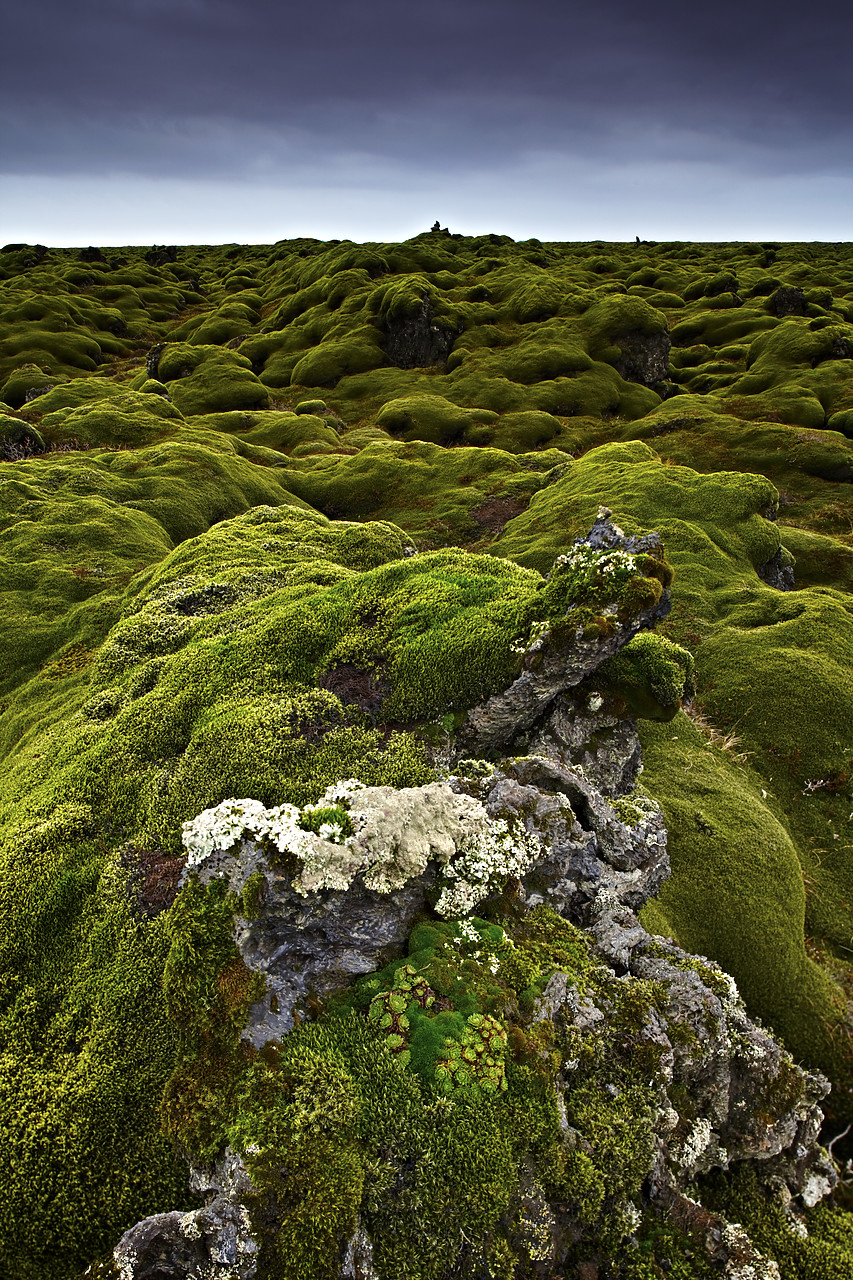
(276, 516)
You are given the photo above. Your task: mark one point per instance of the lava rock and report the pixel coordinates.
(788, 301)
(644, 357)
(416, 342)
(778, 571)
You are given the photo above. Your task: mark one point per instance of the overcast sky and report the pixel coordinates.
(176, 121)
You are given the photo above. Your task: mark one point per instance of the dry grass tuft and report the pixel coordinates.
(725, 741)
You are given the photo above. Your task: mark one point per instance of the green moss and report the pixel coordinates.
(252, 896)
(823, 1251)
(614, 317)
(630, 479)
(72, 393)
(129, 418)
(208, 993)
(297, 1119)
(299, 435)
(518, 432)
(440, 496)
(157, 651)
(26, 378)
(87, 1051)
(729, 848)
(424, 417)
(18, 439)
(207, 379)
(651, 666)
(336, 359)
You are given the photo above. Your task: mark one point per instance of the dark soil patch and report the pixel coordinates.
(153, 879)
(357, 686)
(493, 514)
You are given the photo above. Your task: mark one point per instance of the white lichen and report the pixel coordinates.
(817, 1186)
(582, 555)
(696, 1143)
(628, 1218)
(395, 834)
(344, 790)
(795, 1224)
(484, 862)
(635, 809)
(753, 1266)
(468, 931)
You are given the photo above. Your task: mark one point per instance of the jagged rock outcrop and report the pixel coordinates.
(788, 301)
(309, 944)
(721, 1091)
(314, 932)
(555, 663)
(555, 823)
(416, 341)
(211, 1243)
(644, 357)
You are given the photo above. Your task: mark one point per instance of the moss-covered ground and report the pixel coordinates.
(215, 464)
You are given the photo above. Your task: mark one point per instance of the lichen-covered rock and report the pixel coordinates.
(310, 933)
(658, 1078)
(214, 1243)
(561, 656)
(625, 1020)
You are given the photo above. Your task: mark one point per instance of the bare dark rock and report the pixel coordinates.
(841, 349)
(644, 357)
(788, 301)
(160, 254)
(33, 393)
(416, 342)
(778, 571)
(587, 847)
(601, 743)
(308, 946)
(358, 1258)
(152, 360)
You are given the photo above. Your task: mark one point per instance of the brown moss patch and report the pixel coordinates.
(493, 514)
(153, 879)
(357, 686)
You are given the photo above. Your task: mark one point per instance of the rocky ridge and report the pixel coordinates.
(558, 758)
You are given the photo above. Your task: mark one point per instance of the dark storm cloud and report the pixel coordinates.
(254, 88)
